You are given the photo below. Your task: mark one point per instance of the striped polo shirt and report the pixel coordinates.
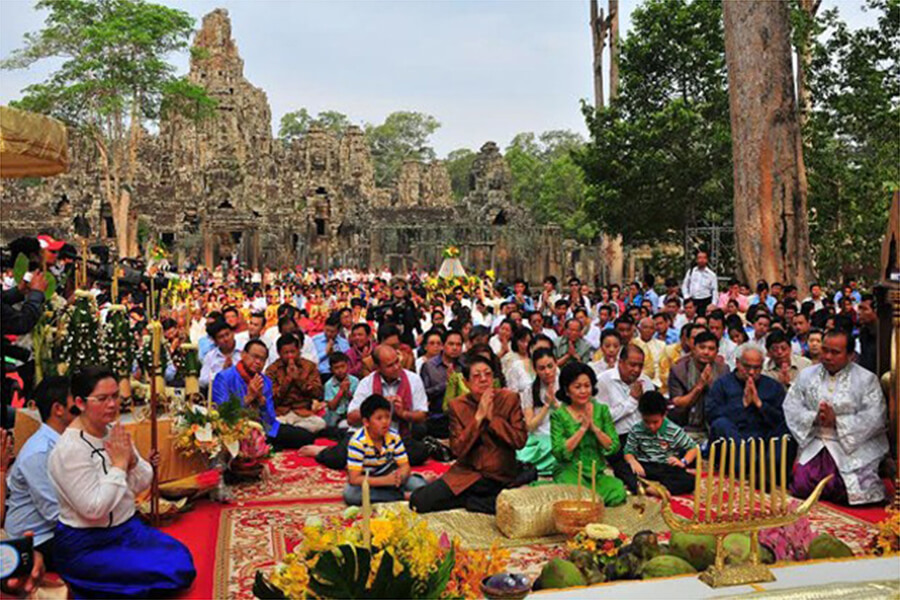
(669, 440)
(363, 455)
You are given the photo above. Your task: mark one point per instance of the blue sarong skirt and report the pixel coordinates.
(131, 560)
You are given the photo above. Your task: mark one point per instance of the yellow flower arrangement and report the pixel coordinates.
(292, 576)
(415, 550)
(887, 540)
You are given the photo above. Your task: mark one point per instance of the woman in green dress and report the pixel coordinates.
(538, 402)
(582, 431)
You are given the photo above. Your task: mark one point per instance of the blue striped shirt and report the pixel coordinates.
(362, 454)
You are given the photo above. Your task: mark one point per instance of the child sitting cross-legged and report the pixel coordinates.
(378, 450)
(658, 449)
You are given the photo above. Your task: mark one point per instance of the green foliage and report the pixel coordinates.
(264, 590)
(51, 286)
(118, 343)
(548, 181)
(459, 164)
(295, 124)
(664, 147)
(344, 573)
(403, 135)
(81, 344)
(20, 267)
(852, 141)
(113, 61)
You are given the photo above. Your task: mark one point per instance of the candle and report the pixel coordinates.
(366, 511)
(698, 469)
(115, 285)
(752, 499)
(152, 299)
(773, 496)
(741, 480)
(762, 477)
(721, 501)
(209, 391)
(709, 483)
(731, 479)
(580, 469)
(593, 481)
(784, 496)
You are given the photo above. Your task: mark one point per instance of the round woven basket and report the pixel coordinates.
(570, 516)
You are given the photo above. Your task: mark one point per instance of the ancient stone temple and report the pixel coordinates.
(225, 187)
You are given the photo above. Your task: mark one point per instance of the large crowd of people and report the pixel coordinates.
(514, 387)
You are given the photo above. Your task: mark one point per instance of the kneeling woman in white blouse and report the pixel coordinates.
(103, 547)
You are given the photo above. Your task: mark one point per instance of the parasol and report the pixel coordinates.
(451, 267)
(31, 145)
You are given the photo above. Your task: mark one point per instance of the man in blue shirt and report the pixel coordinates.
(247, 381)
(32, 502)
(745, 403)
(520, 296)
(648, 293)
(330, 341)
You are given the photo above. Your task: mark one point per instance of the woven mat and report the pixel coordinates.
(478, 531)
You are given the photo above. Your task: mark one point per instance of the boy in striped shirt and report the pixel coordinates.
(658, 449)
(377, 450)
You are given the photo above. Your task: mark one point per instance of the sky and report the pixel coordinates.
(486, 69)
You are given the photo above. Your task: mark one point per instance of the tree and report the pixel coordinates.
(459, 165)
(295, 124)
(547, 180)
(113, 79)
(403, 135)
(852, 141)
(770, 189)
(663, 147)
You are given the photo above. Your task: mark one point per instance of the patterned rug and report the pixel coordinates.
(293, 477)
(257, 537)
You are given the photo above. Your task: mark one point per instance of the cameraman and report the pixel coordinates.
(18, 320)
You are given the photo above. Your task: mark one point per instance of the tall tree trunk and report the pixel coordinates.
(804, 60)
(769, 176)
(616, 246)
(598, 37)
(613, 49)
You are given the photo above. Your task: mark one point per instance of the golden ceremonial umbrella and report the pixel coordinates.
(31, 145)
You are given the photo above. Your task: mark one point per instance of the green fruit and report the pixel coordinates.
(625, 549)
(628, 566)
(737, 548)
(699, 550)
(666, 566)
(646, 544)
(594, 576)
(828, 546)
(766, 555)
(559, 573)
(583, 559)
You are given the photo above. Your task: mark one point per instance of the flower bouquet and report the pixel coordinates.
(248, 464)
(212, 431)
(404, 559)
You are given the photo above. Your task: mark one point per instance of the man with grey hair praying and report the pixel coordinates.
(744, 403)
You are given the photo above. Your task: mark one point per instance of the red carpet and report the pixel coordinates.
(198, 530)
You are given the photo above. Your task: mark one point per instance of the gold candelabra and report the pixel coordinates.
(733, 505)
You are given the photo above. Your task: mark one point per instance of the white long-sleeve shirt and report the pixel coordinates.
(616, 394)
(92, 492)
(700, 284)
(858, 440)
